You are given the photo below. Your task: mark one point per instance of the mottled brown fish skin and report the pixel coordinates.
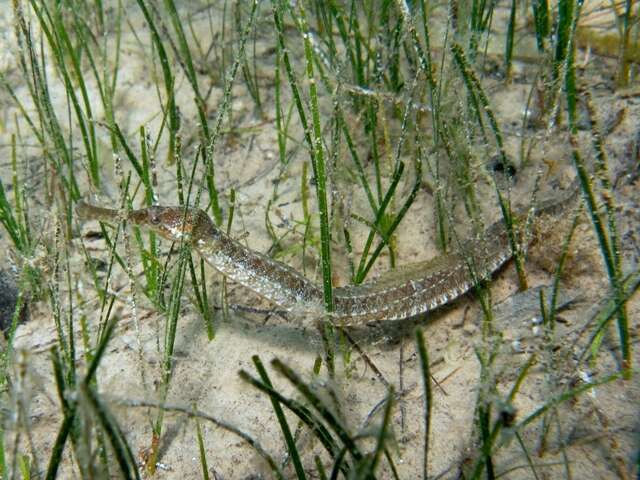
(410, 291)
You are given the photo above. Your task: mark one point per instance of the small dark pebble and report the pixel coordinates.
(8, 300)
(503, 167)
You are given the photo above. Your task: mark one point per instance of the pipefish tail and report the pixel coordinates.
(405, 292)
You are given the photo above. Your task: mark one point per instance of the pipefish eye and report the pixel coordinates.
(154, 216)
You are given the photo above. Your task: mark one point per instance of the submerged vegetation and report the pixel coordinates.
(347, 122)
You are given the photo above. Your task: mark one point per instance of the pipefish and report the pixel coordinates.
(402, 293)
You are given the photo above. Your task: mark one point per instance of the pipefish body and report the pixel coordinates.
(402, 293)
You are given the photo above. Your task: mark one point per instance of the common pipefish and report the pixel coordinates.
(402, 293)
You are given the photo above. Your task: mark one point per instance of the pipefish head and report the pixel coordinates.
(175, 223)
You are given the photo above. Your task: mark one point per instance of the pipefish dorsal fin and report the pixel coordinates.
(405, 273)
(480, 255)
